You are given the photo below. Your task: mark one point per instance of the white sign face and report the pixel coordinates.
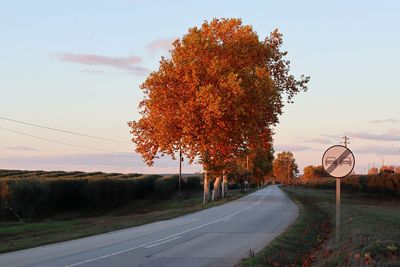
(338, 161)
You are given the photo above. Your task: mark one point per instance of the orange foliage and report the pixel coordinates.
(386, 168)
(220, 92)
(373, 170)
(284, 167)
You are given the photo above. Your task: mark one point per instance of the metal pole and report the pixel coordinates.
(292, 172)
(180, 170)
(337, 211)
(247, 175)
(346, 142)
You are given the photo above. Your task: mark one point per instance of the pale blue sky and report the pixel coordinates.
(350, 50)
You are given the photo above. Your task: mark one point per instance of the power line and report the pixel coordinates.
(58, 142)
(63, 131)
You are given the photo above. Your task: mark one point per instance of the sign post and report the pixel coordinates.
(338, 161)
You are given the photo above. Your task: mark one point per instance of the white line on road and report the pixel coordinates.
(163, 242)
(167, 237)
(228, 219)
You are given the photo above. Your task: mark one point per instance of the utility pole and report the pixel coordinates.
(292, 172)
(246, 183)
(346, 141)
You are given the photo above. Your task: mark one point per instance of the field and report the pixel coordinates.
(370, 232)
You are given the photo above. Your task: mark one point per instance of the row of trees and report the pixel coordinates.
(383, 169)
(216, 100)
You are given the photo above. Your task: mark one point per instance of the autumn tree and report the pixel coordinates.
(373, 170)
(313, 173)
(220, 92)
(397, 169)
(387, 169)
(261, 159)
(285, 167)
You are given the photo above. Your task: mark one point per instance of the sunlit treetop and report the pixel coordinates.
(219, 93)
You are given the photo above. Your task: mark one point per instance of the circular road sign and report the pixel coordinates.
(338, 161)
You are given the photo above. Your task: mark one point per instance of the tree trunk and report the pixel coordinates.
(206, 187)
(224, 184)
(217, 183)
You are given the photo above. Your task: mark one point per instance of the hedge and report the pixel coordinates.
(45, 195)
(34, 198)
(383, 183)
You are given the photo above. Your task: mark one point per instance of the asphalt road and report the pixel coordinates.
(219, 236)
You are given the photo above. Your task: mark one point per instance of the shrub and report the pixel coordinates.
(165, 186)
(192, 183)
(43, 196)
(105, 193)
(382, 183)
(28, 198)
(65, 194)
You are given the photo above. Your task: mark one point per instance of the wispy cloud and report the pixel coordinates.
(92, 71)
(319, 141)
(377, 150)
(107, 162)
(126, 63)
(160, 44)
(391, 135)
(21, 148)
(292, 148)
(385, 121)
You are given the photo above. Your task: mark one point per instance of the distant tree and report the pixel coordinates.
(219, 93)
(308, 173)
(285, 167)
(387, 169)
(261, 158)
(312, 173)
(373, 170)
(320, 172)
(397, 169)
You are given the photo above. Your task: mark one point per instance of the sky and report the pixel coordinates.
(77, 66)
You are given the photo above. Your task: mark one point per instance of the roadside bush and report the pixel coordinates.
(39, 197)
(192, 183)
(28, 198)
(107, 192)
(388, 183)
(65, 194)
(165, 186)
(382, 183)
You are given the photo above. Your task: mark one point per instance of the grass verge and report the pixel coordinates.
(370, 232)
(16, 236)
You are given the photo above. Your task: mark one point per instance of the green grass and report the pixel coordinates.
(16, 236)
(370, 232)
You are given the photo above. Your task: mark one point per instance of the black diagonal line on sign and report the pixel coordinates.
(337, 162)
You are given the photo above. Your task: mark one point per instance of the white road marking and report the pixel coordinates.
(163, 242)
(168, 237)
(228, 219)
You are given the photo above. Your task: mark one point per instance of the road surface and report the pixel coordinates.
(219, 236)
